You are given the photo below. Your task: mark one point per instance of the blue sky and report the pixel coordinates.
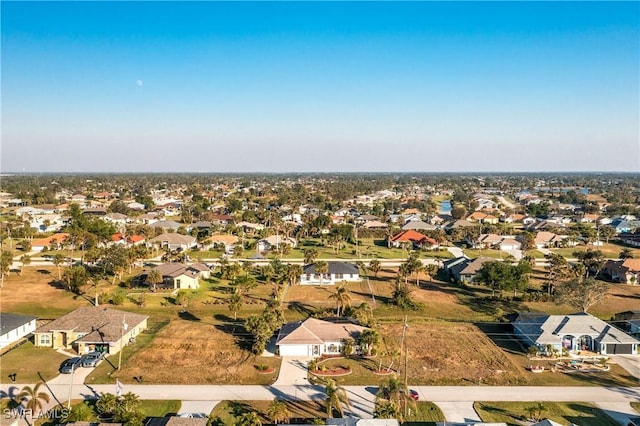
(284, 87)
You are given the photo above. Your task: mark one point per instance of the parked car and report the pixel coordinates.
(69, 365)
(413, 394)
(92, 359)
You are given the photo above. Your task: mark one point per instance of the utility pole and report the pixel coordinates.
(122, 330)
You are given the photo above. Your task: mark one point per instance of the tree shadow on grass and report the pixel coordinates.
(588, 415)
(236, 329)
(510, 418)
(301, 308)
(188, 316)
(502, 335)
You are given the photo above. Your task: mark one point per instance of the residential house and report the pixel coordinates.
(545, 239)
(117, 219)
(418, 225)
(179, 276)
(630, 239)
(95, 211)
(197, 419)
(463, 269)
(93, 328)
(625, 271)
(337, 272)
(574, 332)
(135, 206)
(460, 223)
(482, 217)
(14, 327)
(315, 337)
(362, 219)
(249, 227)
(375, 224)
(414, 237)
(226, 241)
(49, 222)
(221, 219)
(274, 241)
(174, 241)
(126, 241)
(167, 225)
(55, 242)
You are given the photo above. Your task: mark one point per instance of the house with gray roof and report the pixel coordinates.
(337, 272)
(463, 269)
(92, 328)
(15, 327)
(574, 332)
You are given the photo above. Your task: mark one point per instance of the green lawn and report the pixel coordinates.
(228, 412)
(514, 413)
(496, 254)
(425, 413)
(31, 364)
(609, 250)
(636, 406)
(157, 408)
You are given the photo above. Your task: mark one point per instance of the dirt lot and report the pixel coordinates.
(453, 354)
(195, 353)
(33, 293)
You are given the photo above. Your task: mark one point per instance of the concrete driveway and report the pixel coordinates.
(460, 412)
(631, 363)
(293, 371)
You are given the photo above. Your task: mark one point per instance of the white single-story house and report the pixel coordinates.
(92, 328)
(336, 273)
(315, 337)
(574, 332)
(274, 241)
(14, 327)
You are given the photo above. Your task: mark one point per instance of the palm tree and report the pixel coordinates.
(34, 398)
(249, 419)
(154, 277)
(322, 268)
(107, 403)
(368, 339)
(626, 253)
(310, 256)
(396, 392)
(342, 297)
(278, 411)
(26, 261)
(58, 260)
(431, 270)
(292, 273)
(375, 266)
(336, 397)
(235, 303)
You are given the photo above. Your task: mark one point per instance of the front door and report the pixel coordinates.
(316, 350)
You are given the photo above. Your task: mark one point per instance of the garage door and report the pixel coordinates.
(620, 349)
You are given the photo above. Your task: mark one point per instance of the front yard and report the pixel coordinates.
(31, 364)
(515, 413)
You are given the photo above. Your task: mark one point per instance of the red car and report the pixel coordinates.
(413, 394)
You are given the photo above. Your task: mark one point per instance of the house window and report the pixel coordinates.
(339, 276)
(308, 277)
(332, 348)
(45, 339)
(178, 282)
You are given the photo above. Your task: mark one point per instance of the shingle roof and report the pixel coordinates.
(547, 329)
(174, 238)
(10, 322)
(316, 331)
(101, 324)
(334, 268)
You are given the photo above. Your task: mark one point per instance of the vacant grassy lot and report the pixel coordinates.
(31, 364)
(33, 293)
(514, 413)
(610, 250)
(195, 352)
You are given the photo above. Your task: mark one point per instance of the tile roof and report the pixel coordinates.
(55, 238)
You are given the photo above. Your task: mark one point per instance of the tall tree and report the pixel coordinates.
(626, 253)
(581, 293)
(235, 303)
(374, 266)
(58, 260)
(322, 268)
(342, 296)
(335, 398)
(154, 277)
(35, 398)
(278, 411)
(26, 261)
(368, 340)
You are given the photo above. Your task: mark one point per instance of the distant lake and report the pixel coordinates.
(445, 207)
